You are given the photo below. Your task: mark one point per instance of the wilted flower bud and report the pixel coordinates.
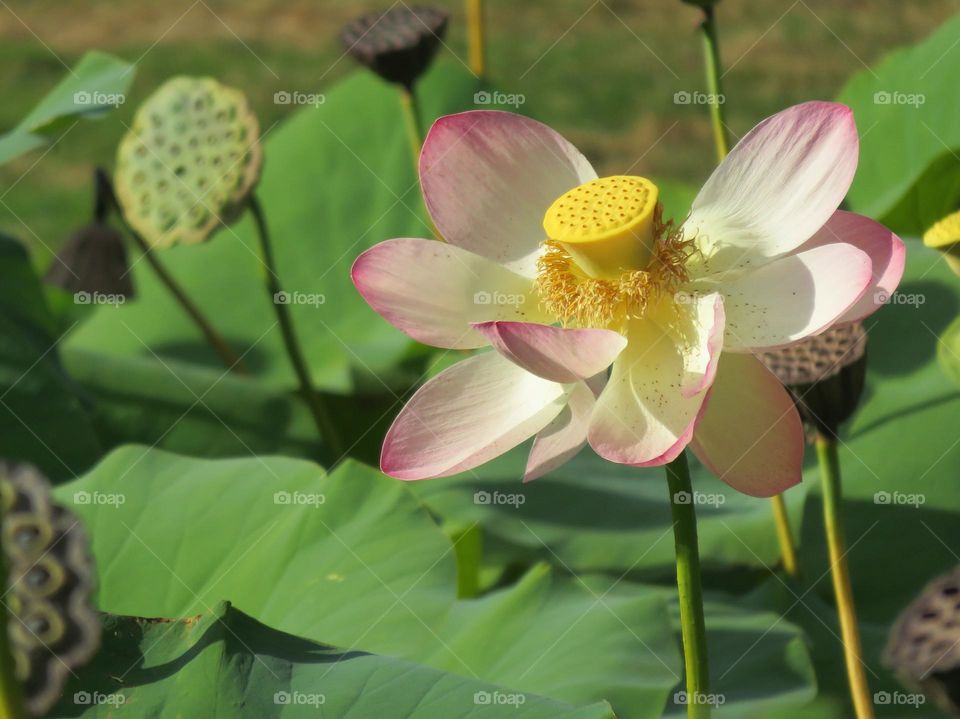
(398, 44)
(924, 644)
(824, 374)
(94, 258)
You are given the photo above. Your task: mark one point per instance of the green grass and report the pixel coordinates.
(604, 73)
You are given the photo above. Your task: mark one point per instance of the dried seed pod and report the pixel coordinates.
(824, 374)
(923, 648)
(51, 624)
(189, 161)
(398, 44)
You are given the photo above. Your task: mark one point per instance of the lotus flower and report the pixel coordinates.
(566, 275)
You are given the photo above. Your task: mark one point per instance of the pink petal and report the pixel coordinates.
(489, 177)
(434, 291)
(750, 436)
(887, 254)
(794, 297)
(644, 417)
(554, 353)
(564, 437)
(776, 188)
(467, 415)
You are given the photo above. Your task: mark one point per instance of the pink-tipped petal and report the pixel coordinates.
(554, 353)
(561, 440)
(776, 188)
(887, 255)
(643, 416)
(467, 415)
(794, 297)
(489, 177)
(434, 291)
(750, 435)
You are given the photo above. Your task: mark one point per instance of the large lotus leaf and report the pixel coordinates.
(907, 109)
(225, 663)
(354, 558)
(337, 179)
(44, 420)
(95, 85)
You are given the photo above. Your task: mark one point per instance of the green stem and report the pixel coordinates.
(829, 461)
(321, 417)
(413, 123)
(11, 696)
(229, 358)
(477, 37)
(689, 589)
(788, 551)
(711, 52)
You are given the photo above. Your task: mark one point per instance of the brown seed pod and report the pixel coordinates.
(51, 623)
(189, 162)
(398, 44)
(824, 374)
(923, 648)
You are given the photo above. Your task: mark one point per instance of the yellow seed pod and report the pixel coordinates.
(945, 236)
(189, 162)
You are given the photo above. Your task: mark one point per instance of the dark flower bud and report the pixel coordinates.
(923, 648)
(824, 374)
(398, 44)
(94, 258)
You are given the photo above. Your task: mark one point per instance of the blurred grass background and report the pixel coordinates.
(603, 72)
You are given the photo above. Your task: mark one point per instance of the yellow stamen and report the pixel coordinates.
(606, 225)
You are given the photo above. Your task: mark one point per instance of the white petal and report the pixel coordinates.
(434, 291)
(564, 437)
(467, 415)
(776, 188)
(489, 177)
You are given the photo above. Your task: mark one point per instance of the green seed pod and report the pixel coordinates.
(824, 374)
(189, 161)
(923, 648)
(49, 584)
(398, 44)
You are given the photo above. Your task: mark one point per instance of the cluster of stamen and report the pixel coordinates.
(578, 299)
